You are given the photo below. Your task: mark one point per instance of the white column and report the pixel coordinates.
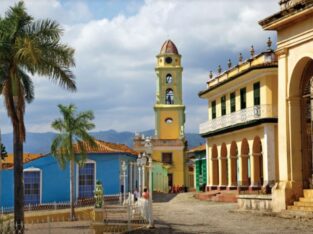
(208, 165)
(131, 177)
(143, 177)
(139, 181)
(268, 153)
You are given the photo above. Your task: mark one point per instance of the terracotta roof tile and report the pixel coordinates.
(197, 149)
(103, 147)
(107, 147)
(169, 47)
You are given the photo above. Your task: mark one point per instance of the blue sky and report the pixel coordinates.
(116, 42)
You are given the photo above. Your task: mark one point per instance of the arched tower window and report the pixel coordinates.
(169, 79)
(169, 98)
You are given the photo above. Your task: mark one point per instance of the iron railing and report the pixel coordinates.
(242, 116)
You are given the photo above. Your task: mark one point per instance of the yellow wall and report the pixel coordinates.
(169, 131)
(268, 91)
(178, 164)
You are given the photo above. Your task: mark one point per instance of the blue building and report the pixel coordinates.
(46, 182)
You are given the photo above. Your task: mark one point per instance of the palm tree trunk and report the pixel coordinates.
(18, 181)
(72, 194)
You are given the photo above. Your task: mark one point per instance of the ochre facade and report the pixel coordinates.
(295, 73)
(241, 131)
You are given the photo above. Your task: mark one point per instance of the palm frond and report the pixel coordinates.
(82, 152)
(58, 125)
(28, 85)
(46, 30)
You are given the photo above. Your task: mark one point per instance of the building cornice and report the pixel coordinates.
(290, 15)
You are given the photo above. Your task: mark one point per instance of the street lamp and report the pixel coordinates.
(139, 174)
(148, 149)
(124, 167)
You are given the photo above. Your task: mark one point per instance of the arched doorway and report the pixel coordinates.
(306, 92)
(233, 164)
(215, 172)
(244, 165)
(257, 162)
(224, 166)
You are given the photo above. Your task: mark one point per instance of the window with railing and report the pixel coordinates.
(31, 187)
(232, 102)
(86, 183)
(167, 158)
(213, 108)
(243, 97)
(223, 105)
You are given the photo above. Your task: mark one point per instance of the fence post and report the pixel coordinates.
(128, 212)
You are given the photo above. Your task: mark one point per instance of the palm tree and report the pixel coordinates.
(73, 128)
(28, 47)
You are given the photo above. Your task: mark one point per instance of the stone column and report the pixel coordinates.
(268, 154)
(243, 168)
(211, 172)
(208, 166)
(222, 172)
(232, 178)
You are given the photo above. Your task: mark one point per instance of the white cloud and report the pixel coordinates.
(116, 57)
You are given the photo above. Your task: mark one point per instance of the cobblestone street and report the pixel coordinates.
(185, 214)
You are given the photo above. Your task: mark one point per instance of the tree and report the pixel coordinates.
(73, 128)
(28, 47)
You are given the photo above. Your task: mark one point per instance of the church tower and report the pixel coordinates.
(169, 108)
(169, 140)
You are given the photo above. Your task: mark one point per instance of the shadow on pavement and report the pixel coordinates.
(163, 197)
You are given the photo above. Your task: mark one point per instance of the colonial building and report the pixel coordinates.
(294, 26)
(241, 132)
(46, 182)
(169, 139)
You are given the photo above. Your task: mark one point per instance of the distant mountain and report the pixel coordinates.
(40, 142)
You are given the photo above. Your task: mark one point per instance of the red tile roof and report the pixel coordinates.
(9, 160)
(197, 149)
(107, 147)
(169, 47)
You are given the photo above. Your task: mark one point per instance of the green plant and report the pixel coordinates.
(99, 195)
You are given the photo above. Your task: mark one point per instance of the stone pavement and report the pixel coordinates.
(182, 213)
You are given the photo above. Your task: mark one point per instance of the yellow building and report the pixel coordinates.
(169, 140)
(294, 26)
(241, 131)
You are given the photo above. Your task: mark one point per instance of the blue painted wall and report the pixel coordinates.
(56, 182)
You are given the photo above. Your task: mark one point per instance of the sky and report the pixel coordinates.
(116, 42)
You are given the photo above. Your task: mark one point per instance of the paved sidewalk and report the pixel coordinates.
(184, 214)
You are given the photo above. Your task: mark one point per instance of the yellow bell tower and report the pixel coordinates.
(169, 140)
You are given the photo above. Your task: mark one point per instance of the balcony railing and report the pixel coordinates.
(242, 116)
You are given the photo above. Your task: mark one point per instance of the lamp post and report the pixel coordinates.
(130, 177)
(139, 174)
(143, 166)
(124, 167)
(148, 148)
